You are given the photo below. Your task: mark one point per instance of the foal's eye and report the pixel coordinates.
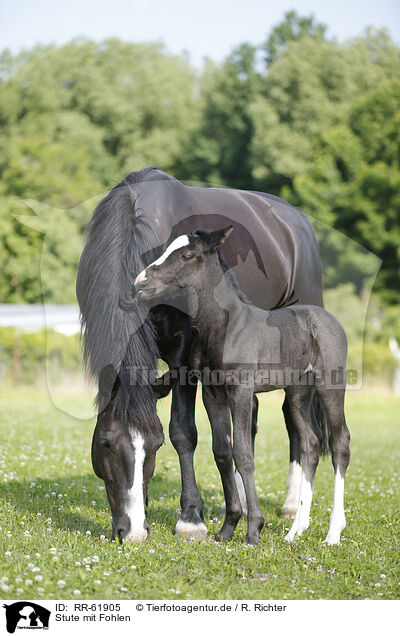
(185, 257)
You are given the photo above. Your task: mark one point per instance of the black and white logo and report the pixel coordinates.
(26, 615)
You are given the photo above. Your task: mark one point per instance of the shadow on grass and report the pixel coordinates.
(78, 512)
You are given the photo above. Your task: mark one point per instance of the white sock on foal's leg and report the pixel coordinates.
(338, 519)
(302, 518)
(293, 485)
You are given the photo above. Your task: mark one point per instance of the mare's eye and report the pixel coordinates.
(106, 444)
(185, 257)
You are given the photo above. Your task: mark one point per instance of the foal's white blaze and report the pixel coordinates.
(179, 242)
(293, 485)
(338, 519)
(135, 507)
(302, 518)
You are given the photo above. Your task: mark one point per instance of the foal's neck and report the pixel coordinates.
(215, 297)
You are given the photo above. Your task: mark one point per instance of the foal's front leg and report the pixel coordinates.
(220, 420)
(241, 401)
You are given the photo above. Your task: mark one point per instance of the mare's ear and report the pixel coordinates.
(218, 237)
(108, 382)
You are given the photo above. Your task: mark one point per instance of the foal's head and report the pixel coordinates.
(182, 265)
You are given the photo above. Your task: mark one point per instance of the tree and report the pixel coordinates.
(293, 28)
(220, 147)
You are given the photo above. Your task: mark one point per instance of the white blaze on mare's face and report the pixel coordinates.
(338, 519)
(135, 507)
(179, 242)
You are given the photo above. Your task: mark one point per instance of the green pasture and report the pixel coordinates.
(55, 534)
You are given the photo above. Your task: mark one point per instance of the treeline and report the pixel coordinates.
(302, 116)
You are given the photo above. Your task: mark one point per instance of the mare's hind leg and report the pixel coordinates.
(300, 399)
(183, 435)
(220, 420)
(293, 482)
(238, 479)
(339, 442)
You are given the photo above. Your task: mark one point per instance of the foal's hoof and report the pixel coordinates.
(226, 532)
(188, 530)
(251, 541)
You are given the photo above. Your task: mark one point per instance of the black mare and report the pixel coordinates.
(275, 256)
(301, 349)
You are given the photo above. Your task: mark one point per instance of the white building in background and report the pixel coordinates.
(62, 318)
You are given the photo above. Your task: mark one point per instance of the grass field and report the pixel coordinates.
(55, 535)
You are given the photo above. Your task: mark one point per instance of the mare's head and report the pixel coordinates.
(123, 456)
(182, 265)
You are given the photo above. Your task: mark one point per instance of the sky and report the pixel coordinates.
(202, 27)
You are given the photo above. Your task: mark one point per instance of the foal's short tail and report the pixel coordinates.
(320, 424)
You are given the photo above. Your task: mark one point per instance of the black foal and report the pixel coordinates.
(301, 349)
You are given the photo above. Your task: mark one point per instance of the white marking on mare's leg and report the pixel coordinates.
(241, 491)
(188, 530)
(293, 485)
(179, 242)
(302, 518)
(338, 519)
(135, 508)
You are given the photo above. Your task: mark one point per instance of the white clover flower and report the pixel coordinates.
(61, 583)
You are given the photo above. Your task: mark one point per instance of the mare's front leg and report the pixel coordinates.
(220, 420)
(241, 402)
(183, 435)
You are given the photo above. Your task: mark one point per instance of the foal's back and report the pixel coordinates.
(299, 339)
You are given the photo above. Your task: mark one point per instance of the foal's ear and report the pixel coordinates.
(218, 237)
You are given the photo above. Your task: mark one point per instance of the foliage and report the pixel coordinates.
(302, 116)
(37, 352)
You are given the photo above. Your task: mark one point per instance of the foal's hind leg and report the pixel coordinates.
(300, 407)
(220, 420)
(333, 401)
(293, 483)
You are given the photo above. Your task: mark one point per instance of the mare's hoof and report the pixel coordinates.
(288, 513)
(188, 530)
